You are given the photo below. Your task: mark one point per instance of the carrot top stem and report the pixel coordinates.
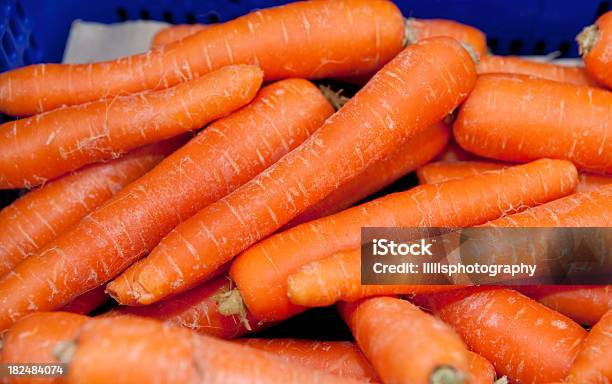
(64, 351)
(587, 38)
(230, 303)
(335, 98)
(446, 375)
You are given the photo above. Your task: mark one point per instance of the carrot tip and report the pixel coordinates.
(446, 375)
(230, 303)
(335, 98)
(587, 39)
(64, 351)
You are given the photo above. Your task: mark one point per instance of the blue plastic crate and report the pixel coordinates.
(33, 31)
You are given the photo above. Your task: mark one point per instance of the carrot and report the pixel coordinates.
(33, 338)
(319, 39)
(338, 278)
(418, 150)
(41, 215)
(175, 33)
(453, 152)
(198, 309)
(366, 129)
(137, 350)
(517, 118)
(404, 344)
(522, 338)
(549, 71)
(218, 160)
(471, 38)
(88, 301)
(594, 44)
(592, 365)
(589, 182)
(261, 272)
(481, 370)
(48, 145)
(340, 358)
(583, 304)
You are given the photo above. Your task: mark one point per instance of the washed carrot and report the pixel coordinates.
(583, 304)
(198, 309)
(137, 350)
(175, 33)
(396, 104)
(405, 344)
(550, 71)
(261, 272)
(218, 160)
(33, 339)
(48, 145)
(416, 151)
(318, 39)
(453, 152)
(523, 339)
(338, 278)
(594, 42)
(88, 301)
(41, 215)
(592, 365)
(589, 182)
(472, 38)
(518, 118)
(481, 370)
(340, 358)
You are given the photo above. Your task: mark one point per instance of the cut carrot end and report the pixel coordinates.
(447, 375)
(587, 39)
(230, 303)
(335, 98)
(64, 351)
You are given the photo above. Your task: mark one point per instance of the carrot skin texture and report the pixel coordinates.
(340, 358)
(562, 121)
(88, 301)
(403, 343)
(592, 365)
(196, 309)
(597, 58)
(338, 278)
(218, 160)
(481, 370)
(418, 150)
(275, 258)
(175, 33)
(115, 350)
(418, 29)
(48, 145)
(370, 33)
(453, 152)
(32, 339)
(549, 71)
(42, 214)
(522, 338)
(367, 128)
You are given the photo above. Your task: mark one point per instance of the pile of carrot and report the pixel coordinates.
(208, 190)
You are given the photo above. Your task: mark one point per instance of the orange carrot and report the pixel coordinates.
(592, 365)
(369, 127)
(418, 150)
(261, 272)
(41, 215)
(453, 152)
(517, 118)
(549, 71)
(198, 309)
(33, 338)
(404, 344)
(589, 182)
(175, 33)
(472, 38)
(48, 145)
(340, 358)
(318, 39)
(88, 301)
(218, 160)
(583, 304)
(481, 370)
(338, 278)
(137, 350)
(594, 42)
(522, 338)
